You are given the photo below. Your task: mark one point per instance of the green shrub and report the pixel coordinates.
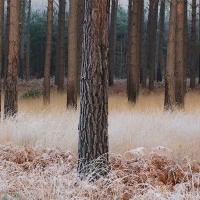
(32, 93)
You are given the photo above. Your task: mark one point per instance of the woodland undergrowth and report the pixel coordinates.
(153, 154)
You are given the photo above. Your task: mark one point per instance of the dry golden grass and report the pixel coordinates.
(43, 135)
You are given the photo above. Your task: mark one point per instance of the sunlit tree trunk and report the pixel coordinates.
(170, 103)
(161, 41)
(72, 56)
(112, 41)
(46, 94)
(61, 42)
(93, 123)
(179, 86)
(193, 46)
(11, 82)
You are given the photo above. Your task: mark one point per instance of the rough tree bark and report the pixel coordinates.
(61, 42)
(93, 123)
(161, 41)
(170, 103)
(11, 82)
(193, 46)
(179, 85)
(112, 41)
(1, 43)
(72, 56)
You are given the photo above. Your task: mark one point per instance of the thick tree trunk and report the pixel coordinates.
(193, 46)
(1, 43)
(28, 42)
(112, 41)
(72, 56)
(61, 57)
(170, 103)
(11, 88)
(93, 123)
(22, 34)
(161, 41)
(152, 55)
(179, 86)
(46, 94)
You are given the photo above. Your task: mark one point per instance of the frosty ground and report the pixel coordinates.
(153, 154)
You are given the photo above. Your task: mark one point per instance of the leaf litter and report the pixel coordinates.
(26, 173)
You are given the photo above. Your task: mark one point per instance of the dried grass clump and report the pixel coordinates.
(51, 174)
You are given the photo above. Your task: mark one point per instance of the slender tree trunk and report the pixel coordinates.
(130, 5)
(61, 58)
(22, 34)
(185, 44)
(193, 46)
(1, 44)
(93, 123)
(134, 54)
(161, 40)
(179, 85)
(28, 42)
(147, 48)
(142, 33)
(72, 56)
(170, 103)
(152, 55)
(112, 41)
(11, 88)
(80, 13)
(7, 40)
(57, 48)
(46, 95)
(199, 42)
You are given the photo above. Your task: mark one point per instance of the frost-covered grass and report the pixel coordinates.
(142, 125)
(52, 131)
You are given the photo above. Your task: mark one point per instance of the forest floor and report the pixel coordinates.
(153, 154)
